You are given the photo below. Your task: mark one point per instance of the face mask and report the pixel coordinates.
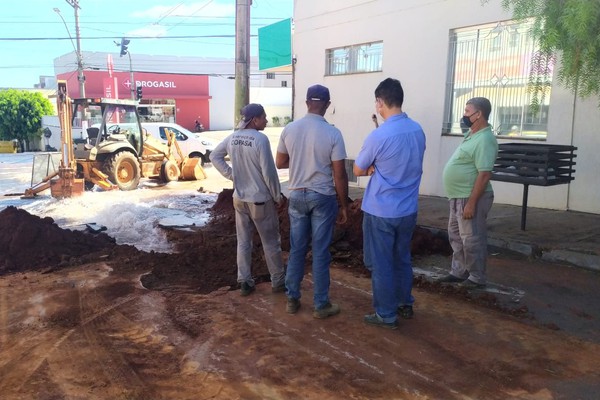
(466, 120)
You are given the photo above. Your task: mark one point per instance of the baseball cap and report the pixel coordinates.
(317, 93)
(248, 112)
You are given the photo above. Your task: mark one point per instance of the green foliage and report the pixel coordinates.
(21, 114)
(287, 119)
(570, 28)
(276, 121)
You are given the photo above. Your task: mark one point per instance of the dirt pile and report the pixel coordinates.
(205, 260)
(28, 242)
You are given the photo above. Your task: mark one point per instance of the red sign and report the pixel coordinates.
(111, 90)
(109, 64)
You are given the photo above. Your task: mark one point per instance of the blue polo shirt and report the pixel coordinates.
(396, 149)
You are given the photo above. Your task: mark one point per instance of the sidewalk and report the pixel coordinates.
(552, 235)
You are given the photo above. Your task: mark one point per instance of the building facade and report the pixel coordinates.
(176, 89)
(443, 56)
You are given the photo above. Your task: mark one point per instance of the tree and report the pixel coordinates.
(21, 115)
(571, 29)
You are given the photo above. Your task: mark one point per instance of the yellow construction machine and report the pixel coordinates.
(111, 159)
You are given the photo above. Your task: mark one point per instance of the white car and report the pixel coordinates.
(190, 144)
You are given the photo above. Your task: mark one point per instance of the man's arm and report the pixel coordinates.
(363, 172)
(340, 179)
(269, 172)
(217, 158)
(282, 160)
(478, 189)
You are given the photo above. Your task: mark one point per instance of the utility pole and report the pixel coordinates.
(242, 56)
(80, 76)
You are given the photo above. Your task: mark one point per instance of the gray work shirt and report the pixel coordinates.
(312, 144)
(253, 171)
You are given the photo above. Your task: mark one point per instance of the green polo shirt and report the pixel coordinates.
(477, 153)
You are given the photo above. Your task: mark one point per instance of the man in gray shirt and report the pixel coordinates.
(314, 152)
(256, 192)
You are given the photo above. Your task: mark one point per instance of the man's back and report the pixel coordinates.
(312, 144)
(253, 169)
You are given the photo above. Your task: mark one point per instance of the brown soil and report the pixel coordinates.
(75, 322)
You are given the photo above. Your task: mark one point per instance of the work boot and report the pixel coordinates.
(292, 305)
(450, 279)
(246, 289)
(279, 288)
(376, 320)
(327, 311)
(406, 312)
(469, 284)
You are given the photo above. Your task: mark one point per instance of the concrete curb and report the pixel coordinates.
(578, 259)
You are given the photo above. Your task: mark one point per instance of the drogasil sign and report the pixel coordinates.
(151, 84)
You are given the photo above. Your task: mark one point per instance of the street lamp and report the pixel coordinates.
(80, 76)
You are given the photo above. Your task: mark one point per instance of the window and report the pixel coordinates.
(270, 75)
(355, 59)
(494, 61)
(283, 83)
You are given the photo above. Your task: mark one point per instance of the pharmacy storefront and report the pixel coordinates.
(177, 98)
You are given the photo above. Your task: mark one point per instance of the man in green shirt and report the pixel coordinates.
(466, 180)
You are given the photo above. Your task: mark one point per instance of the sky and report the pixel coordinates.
(32, 34)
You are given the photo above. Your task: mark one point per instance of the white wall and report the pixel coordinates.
(415, 38)
(221, 104)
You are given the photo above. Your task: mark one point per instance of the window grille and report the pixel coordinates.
(494, 61)
(354, 59)
(349, 164)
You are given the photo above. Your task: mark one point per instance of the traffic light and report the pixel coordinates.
(138, 93)
(124, 43)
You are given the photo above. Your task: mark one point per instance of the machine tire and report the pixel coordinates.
(123, 170)
(169, 171)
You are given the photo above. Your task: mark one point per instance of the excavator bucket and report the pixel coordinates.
(191, 170)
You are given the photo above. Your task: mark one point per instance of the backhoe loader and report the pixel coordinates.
(110, 159)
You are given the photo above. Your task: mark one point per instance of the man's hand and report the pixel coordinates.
(342, 216)
(469, 210)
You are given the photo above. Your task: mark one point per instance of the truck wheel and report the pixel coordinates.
(123, 170)
(169, 171)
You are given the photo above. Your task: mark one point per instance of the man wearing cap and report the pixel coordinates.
(256, 192)
(314, 152)
(466, 180)
(392, 155)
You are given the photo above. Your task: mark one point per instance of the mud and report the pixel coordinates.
(205, 259)
(82, 317)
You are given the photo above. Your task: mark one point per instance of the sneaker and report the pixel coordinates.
(292, 305)
(327, 311)
(406, 312)
(450, 279)
(279, 288)
(469, 284)
(376, 320)
(246, 289)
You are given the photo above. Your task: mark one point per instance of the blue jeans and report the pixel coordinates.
(311, 214)
(386, 247)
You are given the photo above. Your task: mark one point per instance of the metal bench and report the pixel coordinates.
(534, 164)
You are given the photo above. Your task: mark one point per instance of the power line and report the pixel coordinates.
(119, 37)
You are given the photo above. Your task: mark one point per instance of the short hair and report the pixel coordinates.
(391, 92)
(481, 104)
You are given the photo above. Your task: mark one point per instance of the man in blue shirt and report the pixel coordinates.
(392, 155)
